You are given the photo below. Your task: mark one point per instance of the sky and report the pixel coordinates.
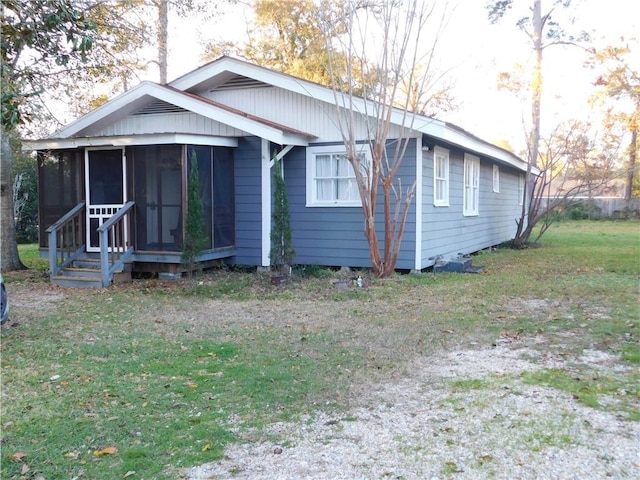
(473, 52)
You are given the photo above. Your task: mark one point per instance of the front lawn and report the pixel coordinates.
(144, 379)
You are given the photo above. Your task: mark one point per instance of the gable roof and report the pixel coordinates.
(227, 70)
(226, 73)
(148, 95)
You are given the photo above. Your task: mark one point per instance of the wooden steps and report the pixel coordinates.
(85, 272)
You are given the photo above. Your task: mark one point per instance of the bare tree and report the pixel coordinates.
(399, 58)
(573, 163)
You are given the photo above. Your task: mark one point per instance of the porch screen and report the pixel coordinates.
(61, 186)
(224, 200)
(158, 195)
(216, 187)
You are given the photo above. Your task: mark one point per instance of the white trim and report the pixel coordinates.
(469, 142)
(125, 141)
(496, 178)
(417, 263)
(471, 163)
(444, 153)
(265, 194)
(311, 193)
(139, 96)
(113, 208)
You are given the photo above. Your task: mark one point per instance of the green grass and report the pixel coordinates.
(159, 401)
(30, 255)
(163, 372)
(592, 389)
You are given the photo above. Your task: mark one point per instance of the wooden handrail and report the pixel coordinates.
(69, 246)
(114, 249)
(65, 218)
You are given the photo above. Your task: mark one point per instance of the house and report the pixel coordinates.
(113, 183)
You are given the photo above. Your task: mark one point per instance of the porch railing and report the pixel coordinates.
(115, 246)
(66, 239)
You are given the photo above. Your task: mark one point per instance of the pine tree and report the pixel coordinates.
(194, 235)
(282, 251)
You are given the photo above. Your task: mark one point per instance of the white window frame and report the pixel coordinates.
(496, 179)
(311, 187)
(471, 186)
(441, 184)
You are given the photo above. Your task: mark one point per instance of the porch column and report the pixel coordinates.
(266, 164)
(417, 264)
(265, 185)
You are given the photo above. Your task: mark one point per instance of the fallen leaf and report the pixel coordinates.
(17, 456)
(106, 451)
(207, 446)
(25, 468)
(129, 473)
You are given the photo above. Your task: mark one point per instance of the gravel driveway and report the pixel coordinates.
(466, 415)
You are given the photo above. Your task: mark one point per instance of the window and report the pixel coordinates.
(471, 192)
(331, 180)
(520, 189)
(440, 177)
(496, 179)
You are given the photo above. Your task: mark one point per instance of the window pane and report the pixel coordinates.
(344, 167)
(323, 166)
(325, 190)
(440, 184)
(347, 190)
(441, 167)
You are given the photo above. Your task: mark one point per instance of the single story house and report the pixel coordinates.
(113, 183)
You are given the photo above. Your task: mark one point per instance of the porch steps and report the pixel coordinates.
(85, 273)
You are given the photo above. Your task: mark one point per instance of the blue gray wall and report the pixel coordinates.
(334, 236)
(248, 202)
(446, 232)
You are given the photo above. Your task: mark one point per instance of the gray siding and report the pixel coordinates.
(191, 123)
(334, 236)
(446, 231)
(248, 202)
(302, 112)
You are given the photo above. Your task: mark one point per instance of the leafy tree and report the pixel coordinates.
(194, 234)
(289, 36)
(39, 38)
(620, 90)
(282, 252)
(25, 197)
(542, 32)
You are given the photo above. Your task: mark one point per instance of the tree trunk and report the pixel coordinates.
(9, 258)
(525, 223)
(633, 148)
(163, 35)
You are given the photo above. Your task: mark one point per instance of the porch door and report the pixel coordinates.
(106, 179)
